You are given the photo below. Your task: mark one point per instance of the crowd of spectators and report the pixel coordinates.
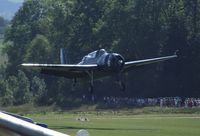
(192, 102)
(161, 101)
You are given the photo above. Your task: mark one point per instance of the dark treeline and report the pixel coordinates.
(3, 23)
(137, 29)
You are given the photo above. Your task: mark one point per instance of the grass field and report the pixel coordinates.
(109, 124)
(146, 121)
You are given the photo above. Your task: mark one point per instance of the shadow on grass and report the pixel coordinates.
(113, 129)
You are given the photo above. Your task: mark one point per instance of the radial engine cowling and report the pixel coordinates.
(115, 62)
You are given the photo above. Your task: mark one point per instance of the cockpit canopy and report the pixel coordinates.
(94, 54)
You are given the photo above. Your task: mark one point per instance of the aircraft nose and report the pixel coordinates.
(120, 61)
(116, 62)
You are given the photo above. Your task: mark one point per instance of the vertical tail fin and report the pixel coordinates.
(63, 59)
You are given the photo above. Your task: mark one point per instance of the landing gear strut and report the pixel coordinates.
(91, 75)
(91, 89)
(74, 82)
(121, 82)
(122, 86)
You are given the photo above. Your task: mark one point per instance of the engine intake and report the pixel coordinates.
(115, 62)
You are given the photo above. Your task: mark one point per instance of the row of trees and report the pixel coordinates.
(135, 28)
(17, 90)
(3, 24)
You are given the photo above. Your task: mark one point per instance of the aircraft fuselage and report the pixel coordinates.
(107, 61)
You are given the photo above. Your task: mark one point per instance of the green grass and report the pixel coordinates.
(109, 124)
(147, 121)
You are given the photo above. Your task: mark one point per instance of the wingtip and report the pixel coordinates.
(175, 53)
(23, 64)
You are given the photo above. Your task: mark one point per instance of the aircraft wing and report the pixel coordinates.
(64, 70)
(13, 126)
(133, 64)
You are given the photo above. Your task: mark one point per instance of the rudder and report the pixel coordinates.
(63, 59)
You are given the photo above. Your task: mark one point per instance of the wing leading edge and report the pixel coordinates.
(132, 64)
(64, 70)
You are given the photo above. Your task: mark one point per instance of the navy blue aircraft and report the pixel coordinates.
(96, 64)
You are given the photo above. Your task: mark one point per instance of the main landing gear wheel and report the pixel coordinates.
(91, 92)
(91, 75)
(91, 89)
(120, 80)
(74, 82)
(122, 86)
